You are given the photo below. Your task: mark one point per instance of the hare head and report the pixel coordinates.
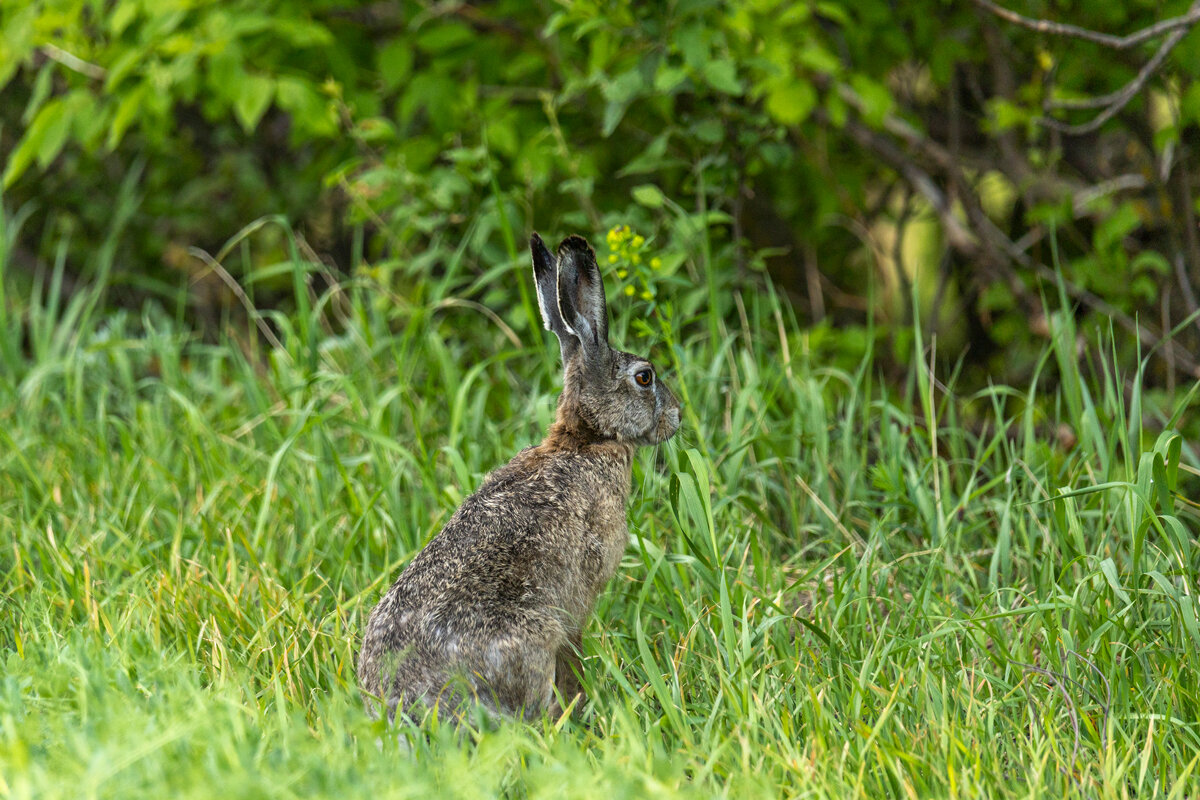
(607, 394)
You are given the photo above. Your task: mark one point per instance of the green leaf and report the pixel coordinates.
(792, 102)
(395, 63)
(814, 56)
(1109, 570)
(613, 114)
(648, 195)
(1150, 260)
(692, 42)
(1189, 104)
(624, 88)
(1162, 485)
(722, 76)
(668, 78)
(649, 159)
(253, 95)
(309, 110)
(877, 101)
(42, 140)
(709, 131)
(1006, 115)
(41, 90)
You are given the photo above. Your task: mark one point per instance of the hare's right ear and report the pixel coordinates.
(545, 280)
(581, 299)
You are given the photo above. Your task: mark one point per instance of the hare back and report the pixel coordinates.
(500, 594)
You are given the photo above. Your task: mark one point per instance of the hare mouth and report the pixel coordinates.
(666, 427)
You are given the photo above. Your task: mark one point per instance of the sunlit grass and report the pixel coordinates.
(833, 588)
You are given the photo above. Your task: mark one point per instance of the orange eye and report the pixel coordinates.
(644, 377)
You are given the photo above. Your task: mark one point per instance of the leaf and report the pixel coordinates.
(253, 95)
(1006, 115)
(649, 159)
(1150, 260)
(668, 78)
(692, 43)
(41, 90)
(1162, 485)
(1109, 569)
(613, 114)
(42, 140)
(722, 76)
(395, 63)
(309, 110)
(877, 101)
(444, 37)
(791, 103)
(709, 131)
(648, 195)
(624, 88)
(1174, 450)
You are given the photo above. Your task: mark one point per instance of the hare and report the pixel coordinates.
(493, 608)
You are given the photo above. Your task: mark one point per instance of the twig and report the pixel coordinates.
(240, 293)
(1185, 285)
(1116, 101)
(74, 62)
(968, 241)
(1105, 39)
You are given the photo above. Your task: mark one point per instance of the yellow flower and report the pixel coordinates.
(647, 294)
(655, 262)
(622, 273)
(629, 291)
(639, 240)
(635, 258)
(612, 258)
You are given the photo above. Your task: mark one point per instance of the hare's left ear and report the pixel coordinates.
(545, 280)
(581, 297)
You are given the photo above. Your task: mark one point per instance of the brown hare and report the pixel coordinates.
(493, 608)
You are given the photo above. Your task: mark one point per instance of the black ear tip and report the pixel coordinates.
(575, 244)
(541, 254)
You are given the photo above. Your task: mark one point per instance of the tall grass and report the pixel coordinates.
(834, 587)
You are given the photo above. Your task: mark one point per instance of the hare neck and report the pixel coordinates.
(571, 431)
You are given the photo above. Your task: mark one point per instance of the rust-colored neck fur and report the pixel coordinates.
(569, 430)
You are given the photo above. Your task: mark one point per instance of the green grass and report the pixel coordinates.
(835, 587)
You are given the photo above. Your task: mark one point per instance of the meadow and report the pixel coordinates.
(837, 585)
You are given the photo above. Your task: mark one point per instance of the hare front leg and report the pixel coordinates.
(567, 669)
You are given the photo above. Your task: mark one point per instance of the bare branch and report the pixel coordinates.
(981, 239)
(1112, 103)
(1105, 39)
(1121, 97)
(74, 62)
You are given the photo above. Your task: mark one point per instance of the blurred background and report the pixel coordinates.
(983, 170)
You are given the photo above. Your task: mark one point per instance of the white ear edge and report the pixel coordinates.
(566, 324)
(542, 303)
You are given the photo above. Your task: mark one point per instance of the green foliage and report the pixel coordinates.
(833, 587)
(869, 565)
(389, 132)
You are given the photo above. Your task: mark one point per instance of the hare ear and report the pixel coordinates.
(545, 280)
(581, 296)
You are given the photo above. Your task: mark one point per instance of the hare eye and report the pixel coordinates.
(644, 377)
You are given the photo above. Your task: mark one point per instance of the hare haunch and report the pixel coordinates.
(494, 606)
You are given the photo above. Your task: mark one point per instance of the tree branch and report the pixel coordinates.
(1119, 99)
(984, 241)
(1107, 40)
(1112, 103)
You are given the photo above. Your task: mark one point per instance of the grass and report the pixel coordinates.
(835, 587)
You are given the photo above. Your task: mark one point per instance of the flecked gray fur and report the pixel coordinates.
(494, 606)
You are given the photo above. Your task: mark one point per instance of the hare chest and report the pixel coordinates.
(608, 533)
